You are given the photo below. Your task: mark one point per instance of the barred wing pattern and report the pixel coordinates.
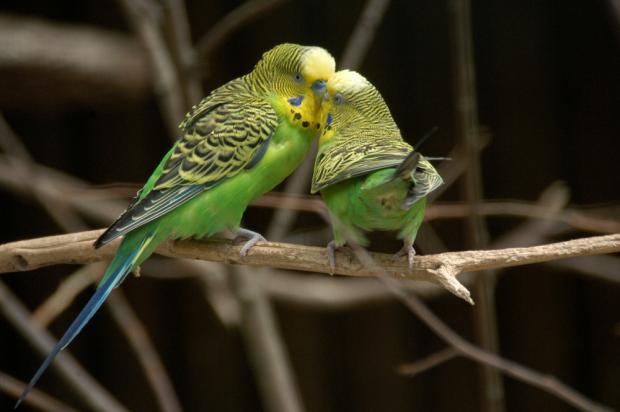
(345, 158)
(225, 134)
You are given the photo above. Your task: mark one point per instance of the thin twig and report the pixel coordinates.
(84, 385)
(37, 398)
(141, 14)
(98, 203)
(452, 170)
(492, 390)
(363, 34)
(441, 268)
(52, 64)
(315, 293)
(266, 347)
(66, 293)
(220, 31)
(182, 50)
(57, 208)
(546, 382)
(429, 362)
(151, 363)
(154, 370)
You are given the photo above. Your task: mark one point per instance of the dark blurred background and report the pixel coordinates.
(547, 80)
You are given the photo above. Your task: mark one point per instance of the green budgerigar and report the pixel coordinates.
(368, 176)
(239, 142)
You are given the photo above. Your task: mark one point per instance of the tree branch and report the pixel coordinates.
(441, 268)
(37, 399)
(142, 16)
(83, 384)
(245, 13)
(363, 34)
(50, 64)
(144, 349)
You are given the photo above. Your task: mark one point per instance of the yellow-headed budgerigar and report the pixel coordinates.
(368, 176)
(238, 143)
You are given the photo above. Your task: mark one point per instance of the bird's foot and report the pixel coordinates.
(253, 238)
(331, 256)
(407, 250)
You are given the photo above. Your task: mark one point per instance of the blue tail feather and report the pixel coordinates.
(116, 273)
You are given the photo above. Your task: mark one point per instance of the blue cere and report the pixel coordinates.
(296, 101)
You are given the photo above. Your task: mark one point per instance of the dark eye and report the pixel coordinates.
(338, 99)
(299, 78)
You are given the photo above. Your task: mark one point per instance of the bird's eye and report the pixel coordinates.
(299, 78)
(338, 98)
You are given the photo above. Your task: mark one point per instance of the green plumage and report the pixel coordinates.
(368, 176)
(238, 143)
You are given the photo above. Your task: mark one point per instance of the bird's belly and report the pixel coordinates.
(381, 217)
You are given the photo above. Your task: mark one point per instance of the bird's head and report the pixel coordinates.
(352, 102)
(296, 76)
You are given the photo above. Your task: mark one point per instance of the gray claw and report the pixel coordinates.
(408, 250)
(331, 256)
(253, 239)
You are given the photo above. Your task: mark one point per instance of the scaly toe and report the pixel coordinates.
(253, 239)
(331, 257)
(409, 251)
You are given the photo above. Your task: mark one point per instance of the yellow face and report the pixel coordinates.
(351, 101)
(341, 104)
(298, 75)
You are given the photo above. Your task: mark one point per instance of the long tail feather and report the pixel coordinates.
(120, 266)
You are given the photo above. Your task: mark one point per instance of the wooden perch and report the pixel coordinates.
(441, 268)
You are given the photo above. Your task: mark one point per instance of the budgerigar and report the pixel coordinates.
(238, 143)
(368, 176)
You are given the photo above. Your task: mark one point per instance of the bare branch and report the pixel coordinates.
(52, 64)
(311, 292)
(545, 382)
(182, 50)
(37, 399)
(572, 217)
(363, 34)
(56, 208)
(434, 359)
(466, 120)
(68, 289)
(266, 347)
(84, 385)
(96, 203)
(260, 327)
(65, 294)
(441, 268)
(141, 14)
(247, 12)
(138, 338)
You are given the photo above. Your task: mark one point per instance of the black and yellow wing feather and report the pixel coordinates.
(229, 131)
(357, 154)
